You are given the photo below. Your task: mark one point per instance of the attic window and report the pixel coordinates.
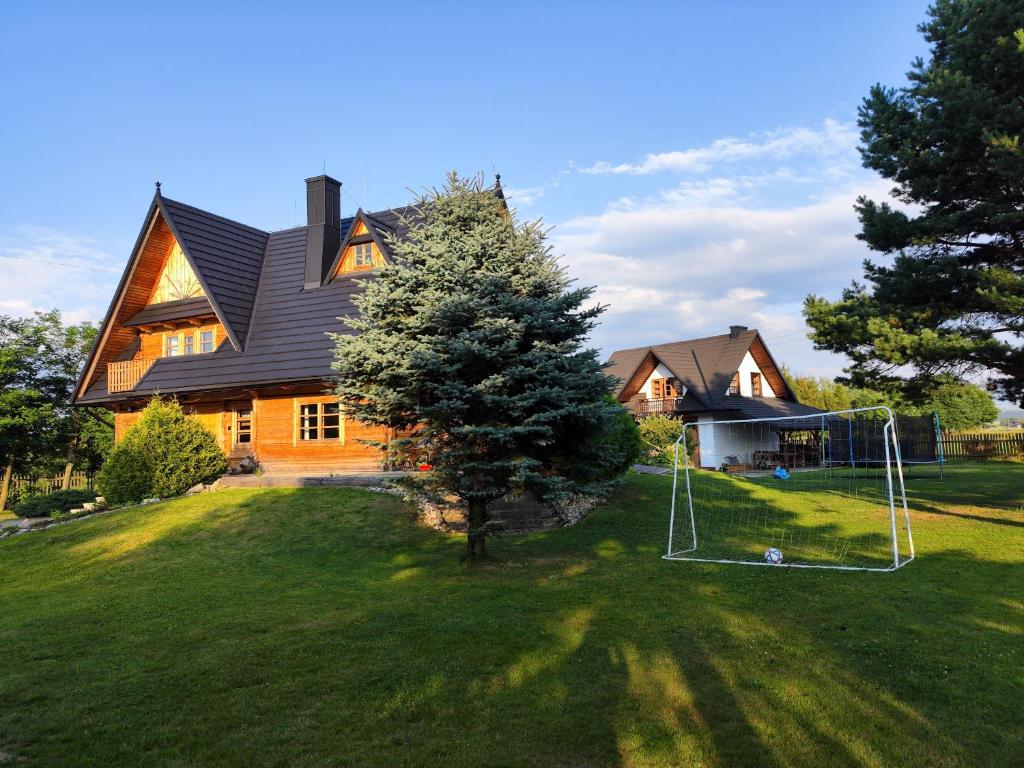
(359, 257)
(755, 384)
(363, 255)
(734, 385)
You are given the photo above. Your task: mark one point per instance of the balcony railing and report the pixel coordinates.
(669, 406)
(124, 375)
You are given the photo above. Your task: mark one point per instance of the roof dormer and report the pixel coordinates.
(363, 248)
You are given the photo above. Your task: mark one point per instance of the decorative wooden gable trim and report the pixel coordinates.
(639, 378)
(183, 243)
(362, 250)
(770, 370)
(177, 279)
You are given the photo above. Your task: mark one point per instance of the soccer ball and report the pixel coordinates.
(773, 556)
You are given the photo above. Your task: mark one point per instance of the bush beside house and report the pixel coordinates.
(163, 454)
(659, 435)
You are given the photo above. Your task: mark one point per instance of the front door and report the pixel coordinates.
(241, 430)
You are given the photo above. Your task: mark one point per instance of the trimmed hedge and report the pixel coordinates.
(163, 455)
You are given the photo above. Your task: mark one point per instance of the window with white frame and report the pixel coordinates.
(363, 255)
(319, 421)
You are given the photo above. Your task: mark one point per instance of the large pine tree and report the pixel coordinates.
(952, 299)
(470, 346)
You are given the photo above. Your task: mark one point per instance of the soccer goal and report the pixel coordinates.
(819, 491)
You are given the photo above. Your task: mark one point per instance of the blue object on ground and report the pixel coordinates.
(781, 473)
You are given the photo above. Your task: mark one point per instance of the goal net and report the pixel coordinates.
(818, 491)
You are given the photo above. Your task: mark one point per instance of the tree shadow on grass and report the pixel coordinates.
(312, 628)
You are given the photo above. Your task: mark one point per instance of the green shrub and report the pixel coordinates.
(659, 435)
(126, 475)
(163, 455)
(624, 438)
(52, 504)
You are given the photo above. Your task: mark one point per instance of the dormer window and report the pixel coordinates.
(360, 251)
(755, 384)
(363, 255)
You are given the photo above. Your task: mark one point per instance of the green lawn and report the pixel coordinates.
(323, 627)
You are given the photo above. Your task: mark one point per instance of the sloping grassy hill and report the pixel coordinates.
(323, 627)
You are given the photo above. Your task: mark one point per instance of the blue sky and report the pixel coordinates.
(696, 160)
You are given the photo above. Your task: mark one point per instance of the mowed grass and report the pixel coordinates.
(325, 627)
(823, 517)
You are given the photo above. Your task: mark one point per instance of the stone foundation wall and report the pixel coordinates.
(515, 513)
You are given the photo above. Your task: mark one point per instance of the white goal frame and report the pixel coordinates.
(897, 496)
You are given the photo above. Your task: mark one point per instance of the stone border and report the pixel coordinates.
(31, 524)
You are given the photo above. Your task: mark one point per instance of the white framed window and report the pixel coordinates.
(189, 342)
(206, 341)
(319, 421)
(363, 255)
(173, 345)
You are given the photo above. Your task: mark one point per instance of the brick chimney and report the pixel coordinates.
(323, 232)
(736, 330)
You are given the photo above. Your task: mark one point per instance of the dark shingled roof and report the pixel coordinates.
(706, 367)
(171, 310)
(254, 281)
(227, 256)
(287, 339)
(772, 407)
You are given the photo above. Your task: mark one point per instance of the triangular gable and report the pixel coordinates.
(363, 229)
(227, 258)
(770, 369)
(152, 246)
(184, 242)
(177, 281)
(704, 366)
(634, 371)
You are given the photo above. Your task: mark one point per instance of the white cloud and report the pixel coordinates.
(44, 268)
(833, 138)
(743, 248)
(526, 196)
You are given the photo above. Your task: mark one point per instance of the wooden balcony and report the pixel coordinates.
(124, 375)
(664, 406)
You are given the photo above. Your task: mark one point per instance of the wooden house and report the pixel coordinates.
(233, 320)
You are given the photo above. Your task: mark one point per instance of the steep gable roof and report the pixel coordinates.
(227, 257)
(254, 283)
(705, 366)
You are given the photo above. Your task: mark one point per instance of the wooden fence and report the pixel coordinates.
(982, 445)
(22, 485)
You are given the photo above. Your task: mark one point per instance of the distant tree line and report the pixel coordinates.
(960, 405)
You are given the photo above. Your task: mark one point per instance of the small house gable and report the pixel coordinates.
(362, 249)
